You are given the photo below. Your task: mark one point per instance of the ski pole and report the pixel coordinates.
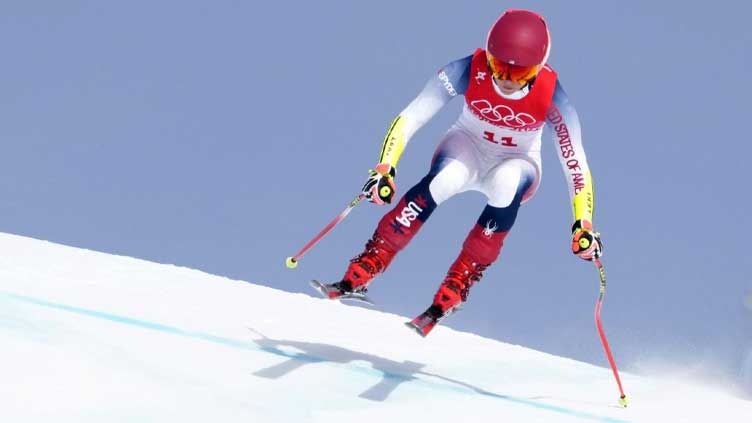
(292, 262)
(602, 272)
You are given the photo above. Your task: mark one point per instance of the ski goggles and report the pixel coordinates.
(507, 72)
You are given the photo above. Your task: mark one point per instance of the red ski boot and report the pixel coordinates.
(362, 269)
(453, 292)
(372, 261)
(456, 286)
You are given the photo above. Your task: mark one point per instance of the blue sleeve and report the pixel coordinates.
(455, 75)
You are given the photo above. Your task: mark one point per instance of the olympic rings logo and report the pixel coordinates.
(502, 113)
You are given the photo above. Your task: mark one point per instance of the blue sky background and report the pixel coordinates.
(223, 135)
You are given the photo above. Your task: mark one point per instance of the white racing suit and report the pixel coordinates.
(494, 148)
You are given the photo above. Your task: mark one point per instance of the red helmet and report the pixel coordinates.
(519, 38)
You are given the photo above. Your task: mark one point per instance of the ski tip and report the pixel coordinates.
(319, 287)
(415, 328)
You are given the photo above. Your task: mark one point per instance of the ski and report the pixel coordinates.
(426, 321)
(333, 292)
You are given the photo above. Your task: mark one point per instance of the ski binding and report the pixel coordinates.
(332, 292)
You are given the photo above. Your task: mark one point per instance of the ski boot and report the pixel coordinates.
(451, 294)
(362, 269)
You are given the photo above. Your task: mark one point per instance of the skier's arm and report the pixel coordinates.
(565, 127)
(449, 82)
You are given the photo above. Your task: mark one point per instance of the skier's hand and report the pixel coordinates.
(380, 188)
(586, 243)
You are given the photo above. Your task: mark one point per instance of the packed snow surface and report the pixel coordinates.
(92, 337)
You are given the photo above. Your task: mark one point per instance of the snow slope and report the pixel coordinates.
(92, 337)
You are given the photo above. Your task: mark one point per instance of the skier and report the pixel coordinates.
(493, 147)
